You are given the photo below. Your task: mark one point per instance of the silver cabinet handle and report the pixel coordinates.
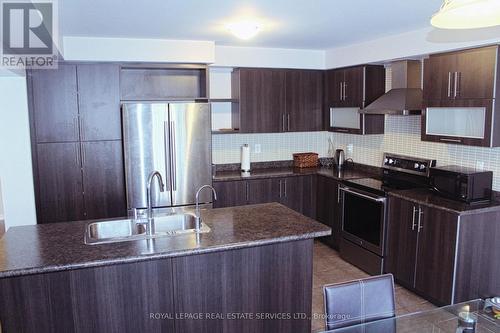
(420, 224)
(455, 84)
(338, 194)
(450, 140)
(458, 82)
(77, 156)
(173, 158)
(341, 94)
(280, 187)
(449, 84)
(285, 187)
(247, 192)
(82, 147)
(413, 224)
(288, 121)
(75, 127)
(376, 199)
(345, 86)
(80, 125)
(283, 122)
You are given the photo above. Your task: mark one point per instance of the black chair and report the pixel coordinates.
(359, 301)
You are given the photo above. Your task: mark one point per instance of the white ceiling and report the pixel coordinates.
(306, 24)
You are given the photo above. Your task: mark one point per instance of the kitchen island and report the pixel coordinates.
(252, 272)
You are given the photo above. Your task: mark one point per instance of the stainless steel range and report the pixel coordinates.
(364, 208)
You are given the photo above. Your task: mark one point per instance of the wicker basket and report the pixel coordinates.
(305, 160)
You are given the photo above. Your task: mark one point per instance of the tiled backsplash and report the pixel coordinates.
(402, 136)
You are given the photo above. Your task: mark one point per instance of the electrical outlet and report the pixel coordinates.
(350, 148)
(479, 165)
(257, 148)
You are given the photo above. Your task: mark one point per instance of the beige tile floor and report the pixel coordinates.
(329, 268)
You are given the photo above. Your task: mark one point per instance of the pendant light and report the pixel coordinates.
(467, 14)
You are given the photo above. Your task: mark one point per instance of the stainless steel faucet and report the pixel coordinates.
(197, 211)
(151, 221)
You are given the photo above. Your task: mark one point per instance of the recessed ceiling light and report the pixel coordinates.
(244, 29)
(467, 14)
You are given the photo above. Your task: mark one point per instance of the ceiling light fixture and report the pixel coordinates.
(467, 14)
(244, 29)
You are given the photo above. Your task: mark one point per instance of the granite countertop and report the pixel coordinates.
(348, 173)
(432, 199)
(60, 246)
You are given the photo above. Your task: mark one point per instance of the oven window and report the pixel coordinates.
(363, 218)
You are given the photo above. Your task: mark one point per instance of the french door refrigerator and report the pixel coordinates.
(174, 139)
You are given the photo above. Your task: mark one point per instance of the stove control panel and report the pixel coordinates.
(408, 164)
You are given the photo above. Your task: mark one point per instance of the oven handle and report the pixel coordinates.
(376, 199)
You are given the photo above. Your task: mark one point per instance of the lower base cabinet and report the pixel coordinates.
(328, 208)
(421, 248)
(296, 192)
(193, 293)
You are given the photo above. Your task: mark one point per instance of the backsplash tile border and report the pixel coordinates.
(402, 136)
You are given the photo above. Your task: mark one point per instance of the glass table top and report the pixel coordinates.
(441, 320)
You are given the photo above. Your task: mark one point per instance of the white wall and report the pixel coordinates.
(15, 151)
(410, 44)
(134, 49)
(1, 201)
(234, 56)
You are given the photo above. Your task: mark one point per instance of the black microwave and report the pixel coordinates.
(462, 183)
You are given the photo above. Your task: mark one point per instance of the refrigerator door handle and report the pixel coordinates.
(173, 155)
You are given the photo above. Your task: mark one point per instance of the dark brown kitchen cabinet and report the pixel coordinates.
(230, 193)
(459, 98)
(60, 189)
(421, 248)
(436, 254)
(78, 181)
(260, 96)
(468, 74)
(54, 95)
(470, 122)
(277, 100)
(346, 92)
(295, 192)
(103, 179)
(304, 101)
(79, 105)
(163, 82)
(99, 101)
(262, 191)
(328, 208)
(402, 240)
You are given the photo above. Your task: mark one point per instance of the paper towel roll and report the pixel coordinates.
(245, 158)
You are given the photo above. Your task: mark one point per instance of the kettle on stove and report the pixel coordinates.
(339, 158)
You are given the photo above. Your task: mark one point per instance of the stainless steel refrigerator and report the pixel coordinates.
(173, 138)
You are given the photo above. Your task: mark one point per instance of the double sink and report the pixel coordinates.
(129, 229)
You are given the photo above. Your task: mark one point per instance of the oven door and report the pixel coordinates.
(363, 219)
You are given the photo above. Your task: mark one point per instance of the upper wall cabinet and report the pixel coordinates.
(163, 83)
(99, 101)
(459, 98)
(54, 92)
(346, 91)
(276, 100)
(260, 96)
(304, 100)
(469, 74)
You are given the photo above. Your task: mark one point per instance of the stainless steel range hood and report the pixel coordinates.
(405, 97)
